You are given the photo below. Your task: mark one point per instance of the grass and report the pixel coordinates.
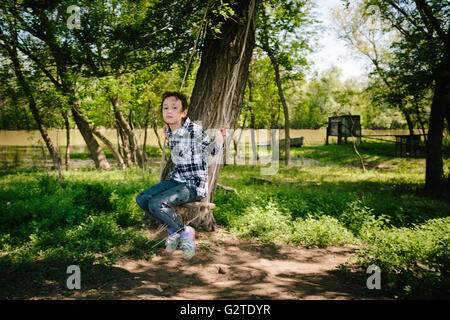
(94, 220)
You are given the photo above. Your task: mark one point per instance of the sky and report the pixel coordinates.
(333, 51)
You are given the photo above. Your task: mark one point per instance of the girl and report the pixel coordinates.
(189, 147)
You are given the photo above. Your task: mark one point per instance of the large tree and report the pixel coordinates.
(216, 99)
(9, 45)
(425, 45)
(365, 36)
(221, 79)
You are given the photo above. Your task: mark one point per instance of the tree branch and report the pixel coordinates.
(432, 21)
(406, 15)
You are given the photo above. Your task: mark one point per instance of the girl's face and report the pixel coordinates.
(171, 110)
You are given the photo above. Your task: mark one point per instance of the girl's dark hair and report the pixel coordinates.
(179, 96)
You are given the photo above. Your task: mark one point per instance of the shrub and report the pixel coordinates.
(321, 232)
(361, 220)
(93, 196)
(266, 223)
(415, 261)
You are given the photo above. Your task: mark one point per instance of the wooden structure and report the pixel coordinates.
(407, 145)
(344, 126)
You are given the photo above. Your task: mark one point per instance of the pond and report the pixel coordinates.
(26, 149)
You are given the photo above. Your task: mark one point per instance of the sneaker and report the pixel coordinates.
(172, 243)
(188, 243)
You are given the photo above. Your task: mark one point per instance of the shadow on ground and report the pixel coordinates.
(228, 268)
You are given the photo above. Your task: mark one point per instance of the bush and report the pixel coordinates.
(93, 196)
(96, 234)
(361, 220)
(321, 232)
(266, 223)
(415, 261)
(44, 226)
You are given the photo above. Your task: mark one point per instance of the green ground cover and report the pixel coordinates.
(94, 220)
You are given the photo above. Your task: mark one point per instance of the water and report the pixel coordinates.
(26, 149)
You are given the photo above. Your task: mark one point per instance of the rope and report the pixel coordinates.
(237, 67)
(165, 228)
(234, 78)
(195, 45)
(163, 157)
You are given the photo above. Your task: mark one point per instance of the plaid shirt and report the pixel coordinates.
(189, 148)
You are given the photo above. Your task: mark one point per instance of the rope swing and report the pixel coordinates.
(203, 207)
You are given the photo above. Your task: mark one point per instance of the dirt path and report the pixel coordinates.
(225, 267)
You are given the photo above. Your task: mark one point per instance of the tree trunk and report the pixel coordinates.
(111, 147)
(409, 121)
(132, 140)
(12, 50)
(125, 146)
(252, 123)
(68, 146)
(96, 151)
(287, 137)
(216, 99)
(125, 141)
(237, 153)
(420, 120)
(155, 127)
(434, 174)
(127, 130)
(211, 102)
(144, 145)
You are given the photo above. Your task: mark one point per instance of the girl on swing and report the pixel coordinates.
(189, 148)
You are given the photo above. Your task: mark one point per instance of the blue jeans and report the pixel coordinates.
(157, 200)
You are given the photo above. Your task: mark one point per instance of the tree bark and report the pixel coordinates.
(96, 151)
(252, 122)
(126, 152)
(287, 137)
(420, 120)
(68, 146)
(409, 121)
(144, 145)
(111, 147)
(434, 173)
(127, 133)
(236, 142)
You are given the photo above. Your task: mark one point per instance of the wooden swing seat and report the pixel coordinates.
(199, 205)
(197, 214)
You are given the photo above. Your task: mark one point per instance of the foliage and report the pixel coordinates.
(384, 212)
(415, 261)
(94, 221)
(326, 95)
(267, 223)
(320, 232)
(44, 228)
